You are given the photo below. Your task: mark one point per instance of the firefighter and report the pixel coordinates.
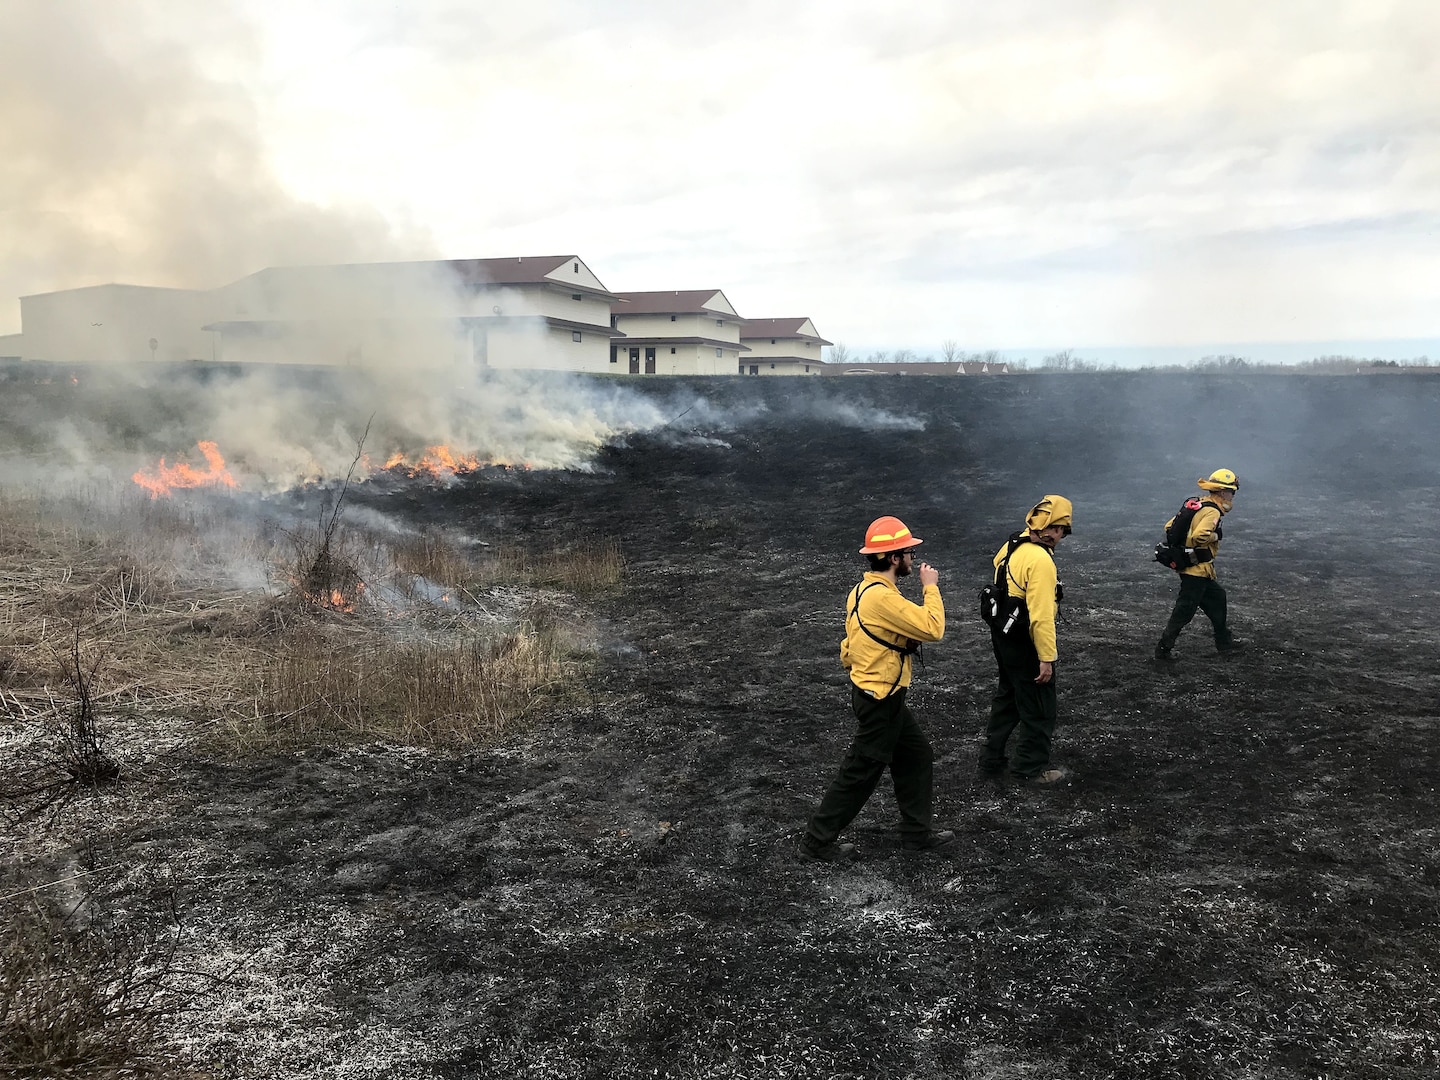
(883, 632)
(1198, 585)
(1023, 640)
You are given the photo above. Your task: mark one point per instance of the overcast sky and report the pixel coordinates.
(1021, 175)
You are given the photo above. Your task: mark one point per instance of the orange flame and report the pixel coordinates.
(162, 480)
(439, 462)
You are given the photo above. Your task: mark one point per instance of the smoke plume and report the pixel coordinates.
(127, 153)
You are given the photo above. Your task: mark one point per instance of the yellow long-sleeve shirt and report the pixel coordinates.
(1204, 533)
(1033, 576)
(888, 615)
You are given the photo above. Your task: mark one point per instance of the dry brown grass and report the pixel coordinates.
(138, 587)
(422, 694)
(151, 589)
(80, 999)
(591, 566)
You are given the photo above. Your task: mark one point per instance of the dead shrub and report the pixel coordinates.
(78, 739)
(324, 573)
(423, 694)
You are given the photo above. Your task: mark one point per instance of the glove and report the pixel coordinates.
(1198, 555)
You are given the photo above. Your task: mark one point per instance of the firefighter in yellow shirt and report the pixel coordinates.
(1023, 639)
(1199, 587)
(883, 631)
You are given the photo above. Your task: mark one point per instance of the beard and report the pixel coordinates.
(902, 569)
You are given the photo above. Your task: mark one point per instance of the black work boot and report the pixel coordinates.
(989, 771)
(1162, 653)
(1230, 647)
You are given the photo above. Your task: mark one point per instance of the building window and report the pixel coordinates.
(718, 352)
(672, 318)
(742, 369)
(754, 369)
(719, 322)
(807, 369)
(614, 355)
(672, 350)
(576, 296)
(575, 335)
(772, 367)
(772, 341)
(577, 268)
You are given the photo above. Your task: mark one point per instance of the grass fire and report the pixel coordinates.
(437, 769)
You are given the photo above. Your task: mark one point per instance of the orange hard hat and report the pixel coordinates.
(888, 534)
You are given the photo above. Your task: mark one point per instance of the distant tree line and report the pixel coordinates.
(1066, 361)
(951, 353)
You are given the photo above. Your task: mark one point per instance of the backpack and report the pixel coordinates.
(1172, 551)
(998, 609)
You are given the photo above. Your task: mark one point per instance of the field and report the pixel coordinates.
(1241, 881)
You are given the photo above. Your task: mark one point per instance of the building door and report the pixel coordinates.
(649, 361)
(634, 361)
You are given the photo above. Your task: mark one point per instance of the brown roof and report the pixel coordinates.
(778, 328)
(677, 302)
(259, 326)
(522, 270)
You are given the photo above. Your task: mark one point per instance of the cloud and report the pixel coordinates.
(1004, 174)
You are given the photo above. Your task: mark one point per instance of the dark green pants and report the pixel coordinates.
(1021, 707)
(886, 735)
(1202, 594)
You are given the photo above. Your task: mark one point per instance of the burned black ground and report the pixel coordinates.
(1241, 881)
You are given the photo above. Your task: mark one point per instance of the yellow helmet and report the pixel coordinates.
(1220, 480)
(1051, 510)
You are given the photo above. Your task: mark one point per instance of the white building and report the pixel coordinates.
(781, 347)
(539, 313)
(548, 312)
(686, 332)
(113, 324)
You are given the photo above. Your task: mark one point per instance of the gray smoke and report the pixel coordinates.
(123, 158)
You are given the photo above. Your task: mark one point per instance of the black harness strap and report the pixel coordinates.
(1003, 571)
(903, 651)
(1004, 568)
(1178, 535)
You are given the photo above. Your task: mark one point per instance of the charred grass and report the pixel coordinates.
(119, 613)
(1241, 881)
